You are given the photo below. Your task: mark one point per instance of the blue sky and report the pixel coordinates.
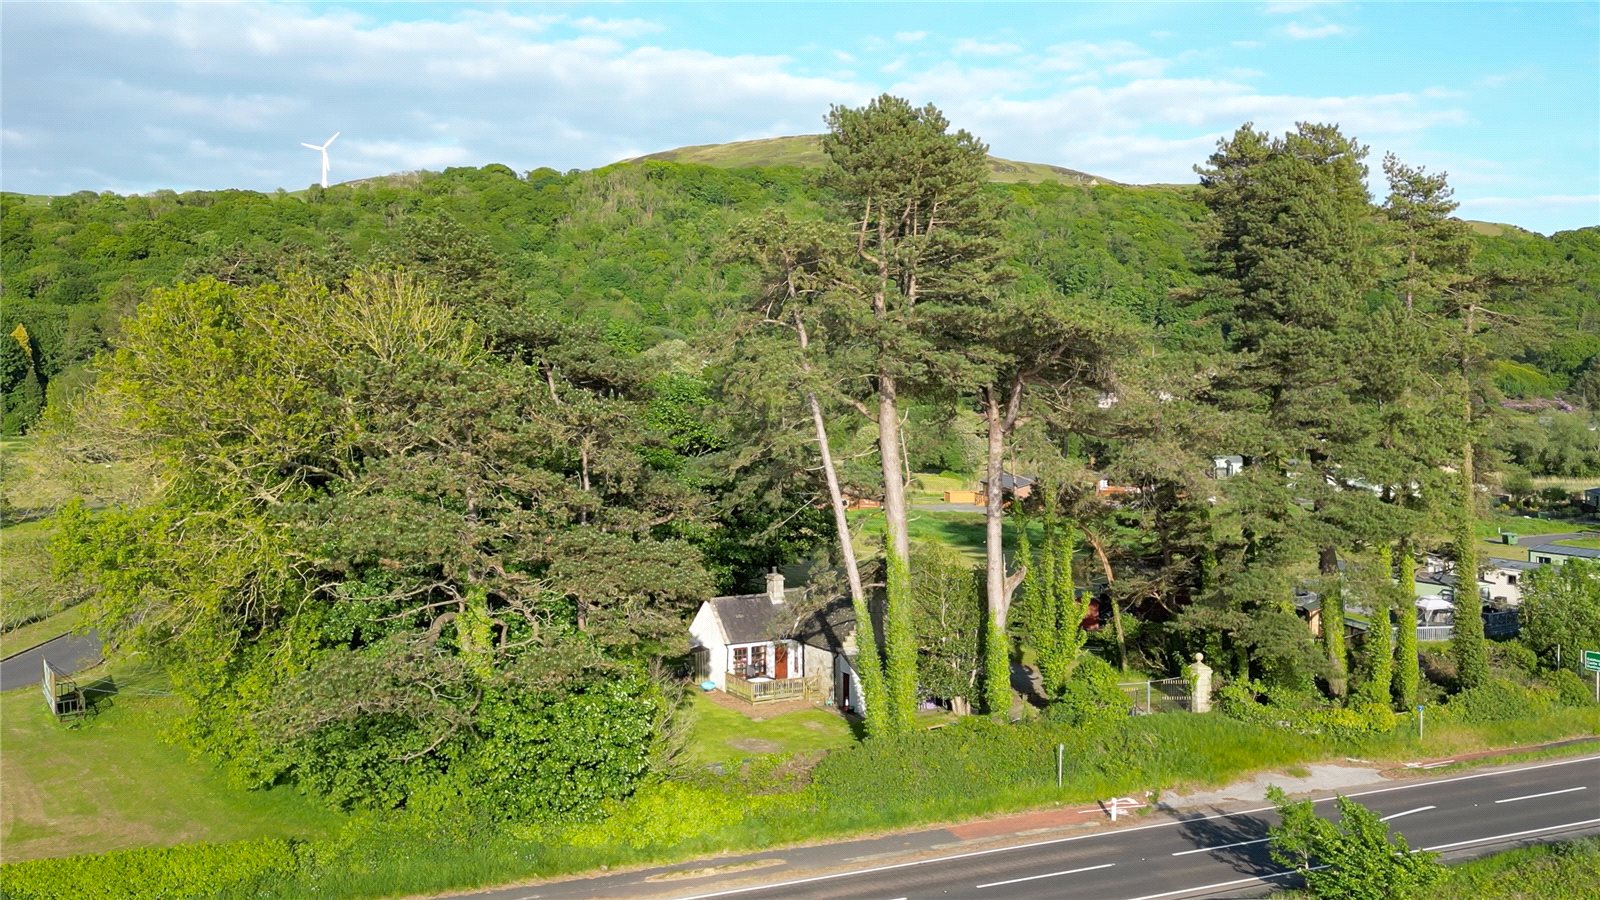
(135, 97)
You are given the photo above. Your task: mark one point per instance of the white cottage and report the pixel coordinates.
(777, 645)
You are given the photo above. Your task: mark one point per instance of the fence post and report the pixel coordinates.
(1147, 709)
(1060, 752)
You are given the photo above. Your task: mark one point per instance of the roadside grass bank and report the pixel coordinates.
(1567, 870)
(974, 768)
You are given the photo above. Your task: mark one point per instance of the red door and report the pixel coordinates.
(780, 661)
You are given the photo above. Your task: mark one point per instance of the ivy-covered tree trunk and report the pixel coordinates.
(996, 670)
(1333, 637)
(1380, 645)
(1466, 642)
(900, 648)
(1406, 670)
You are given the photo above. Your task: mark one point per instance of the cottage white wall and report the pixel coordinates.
(819, 670)
(706, 631)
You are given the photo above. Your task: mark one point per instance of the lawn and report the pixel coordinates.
(1491, 526)
(1591, 543)
(112, 782)
(722, 735)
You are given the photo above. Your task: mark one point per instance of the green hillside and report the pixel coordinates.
(805, 150)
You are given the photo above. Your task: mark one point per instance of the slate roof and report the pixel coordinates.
(748, 618)
(829, 627)
(1010, 482)
(1521, 565)
(1581, 552)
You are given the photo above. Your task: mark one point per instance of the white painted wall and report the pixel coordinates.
(706, 631)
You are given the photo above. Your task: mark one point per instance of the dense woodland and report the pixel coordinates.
(440, 465)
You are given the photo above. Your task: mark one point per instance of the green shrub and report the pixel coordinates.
(1498, 700)
(1513, 656)
(1570, 688)
(187, 870)
(1091, 698)
(1304, 712)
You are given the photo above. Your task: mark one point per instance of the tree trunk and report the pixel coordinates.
(847, 550)
(894, 487)
(1111, 595)
(994, 500)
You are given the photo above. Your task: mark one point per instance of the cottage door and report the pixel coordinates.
(780, 661)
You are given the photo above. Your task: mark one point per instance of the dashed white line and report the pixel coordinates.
(1049, 875)
(1499, 837)
(1223, 884)
(1079, 837)
(1545, 794)
(1406, 813)
(1222, 847)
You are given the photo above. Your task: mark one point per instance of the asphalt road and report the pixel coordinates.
(1222, 854)
(70, 653)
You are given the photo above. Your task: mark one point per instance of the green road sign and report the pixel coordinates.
(1591, 660)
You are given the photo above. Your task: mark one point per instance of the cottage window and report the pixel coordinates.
(741, 659)
(758, 660)
(1511, 579)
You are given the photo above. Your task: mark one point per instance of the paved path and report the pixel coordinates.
(70, 653)
(1194, 852)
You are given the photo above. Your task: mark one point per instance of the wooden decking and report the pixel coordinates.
(766, 691)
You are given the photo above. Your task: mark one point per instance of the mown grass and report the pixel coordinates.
(1495, 523)
(114, 782)
(722, 735)
(1591, 543)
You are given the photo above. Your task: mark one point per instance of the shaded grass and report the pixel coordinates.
(717, 730)
(28, 590)
(19, 639)
(112, 782)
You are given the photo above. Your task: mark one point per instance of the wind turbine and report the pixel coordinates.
(324, 151)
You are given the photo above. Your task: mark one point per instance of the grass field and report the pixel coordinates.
(1591, 543)
(722, 735)
(113, 782)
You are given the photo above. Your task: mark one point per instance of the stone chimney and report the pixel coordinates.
(775, 586)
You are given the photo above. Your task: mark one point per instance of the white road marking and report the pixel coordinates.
(1498, 837)
(1407, 813)
(1223, 884)
(1051, 875)
(1079, 837)
(1222, 847)
(1545, 794)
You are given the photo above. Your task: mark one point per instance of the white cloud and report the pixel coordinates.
(969, 47)
(1301, 31)
(211, 96)
(910, 37)
(624, 28)
(1291, 7)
